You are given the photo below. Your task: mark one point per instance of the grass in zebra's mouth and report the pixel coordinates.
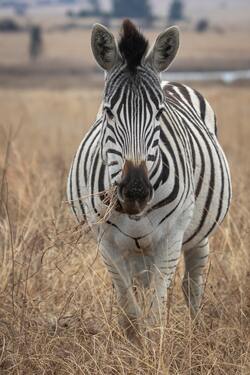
(110, 201)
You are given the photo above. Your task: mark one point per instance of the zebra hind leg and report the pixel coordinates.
(193, 285)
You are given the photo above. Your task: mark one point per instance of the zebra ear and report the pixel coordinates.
(164, 49)
(103, 46)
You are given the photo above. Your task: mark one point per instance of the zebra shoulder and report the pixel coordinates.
(193, 98)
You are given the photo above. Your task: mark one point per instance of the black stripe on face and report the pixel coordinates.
(115, 174)
(116, 96)
(115, 152)
(111, 139)
(154, 170)
(155, 143)
(112, 163)
(151, 157)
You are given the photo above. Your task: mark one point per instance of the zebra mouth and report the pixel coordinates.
(136, 217)
(133, 208)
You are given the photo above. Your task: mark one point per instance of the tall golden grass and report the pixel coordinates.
(58, 311)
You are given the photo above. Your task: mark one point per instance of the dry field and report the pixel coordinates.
(58, 311)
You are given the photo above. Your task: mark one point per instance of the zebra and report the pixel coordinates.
(156, 144)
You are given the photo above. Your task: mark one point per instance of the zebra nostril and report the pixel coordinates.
(136, 191)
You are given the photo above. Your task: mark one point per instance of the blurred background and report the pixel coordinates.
(46, 43)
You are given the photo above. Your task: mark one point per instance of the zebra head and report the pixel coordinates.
(132, 105)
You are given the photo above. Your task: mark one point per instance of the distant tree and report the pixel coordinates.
(132, 8)
(93, 10)
(202, 25)
(84, 13)
(176, 11)
(36, 41)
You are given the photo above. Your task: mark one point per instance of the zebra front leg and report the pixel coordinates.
(130, 311)
(192, 285)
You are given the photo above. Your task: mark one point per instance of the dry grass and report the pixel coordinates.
(57, 306)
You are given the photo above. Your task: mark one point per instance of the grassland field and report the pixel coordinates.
(58, 312)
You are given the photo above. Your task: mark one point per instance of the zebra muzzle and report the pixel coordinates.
(135, 191)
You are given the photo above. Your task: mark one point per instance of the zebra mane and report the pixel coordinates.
(132, 45)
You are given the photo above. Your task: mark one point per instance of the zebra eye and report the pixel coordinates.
(109, 113)
(159, 113)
